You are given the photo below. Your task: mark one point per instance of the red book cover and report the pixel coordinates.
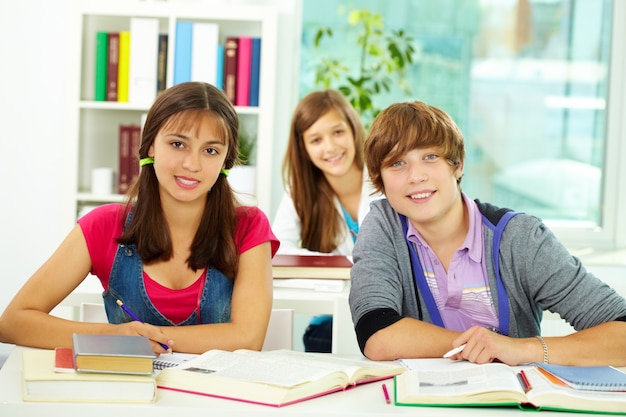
(124, 159)
(133, 159)
(230, 68)
(112, 65)
(244, 62)
(326, 261)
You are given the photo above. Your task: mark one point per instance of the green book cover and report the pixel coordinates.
(101, 66)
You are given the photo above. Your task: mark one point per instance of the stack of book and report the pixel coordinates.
(131, 66)
(97, 368)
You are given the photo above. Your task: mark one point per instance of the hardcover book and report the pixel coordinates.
(112, 354)
(274, 377)
(230, 68)
(446, 383)
(42, 383)
(112, 65)
(311, 266)
(124, 146)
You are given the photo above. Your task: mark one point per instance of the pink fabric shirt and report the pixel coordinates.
(103, 225)
(462, 294)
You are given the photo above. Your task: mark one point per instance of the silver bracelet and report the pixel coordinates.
(545, 349)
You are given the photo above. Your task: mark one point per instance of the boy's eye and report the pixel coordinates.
(397, 164)
(431, 157)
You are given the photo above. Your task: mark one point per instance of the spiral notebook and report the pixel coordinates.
(588, 378)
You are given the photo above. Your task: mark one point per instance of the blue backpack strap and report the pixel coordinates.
(420, 280)
(503, 299)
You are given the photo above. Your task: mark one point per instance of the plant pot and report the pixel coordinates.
(242, 179)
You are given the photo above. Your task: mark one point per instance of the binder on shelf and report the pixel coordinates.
(219, 76)
(244, 58)
(102, 46)
(144, 59)
(255, 72)
(204, 52)
(123, 64)
(182, 52)
(162, 63)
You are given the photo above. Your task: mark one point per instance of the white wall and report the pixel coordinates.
(31, 119)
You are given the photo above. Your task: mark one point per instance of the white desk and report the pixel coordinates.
(365, 400)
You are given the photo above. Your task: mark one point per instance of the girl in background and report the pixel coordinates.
(327, 188)
(182, 254)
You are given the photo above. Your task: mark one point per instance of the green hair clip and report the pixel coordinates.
(146, 161)
(224, 171)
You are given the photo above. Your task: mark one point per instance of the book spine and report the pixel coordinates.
(243, 71)
(124, 155)
(143, 59)
(255, 72)
(230, 68)
(123, 65)
(203, 53)
(133, 158)
(162, 63)
(182, 52)
(112, 64)
(219, 76)
(102, 42)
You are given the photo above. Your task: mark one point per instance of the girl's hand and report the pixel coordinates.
(159, 341)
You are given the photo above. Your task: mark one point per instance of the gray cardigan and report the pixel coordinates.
(536, 269)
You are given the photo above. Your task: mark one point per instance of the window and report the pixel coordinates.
(537, 87)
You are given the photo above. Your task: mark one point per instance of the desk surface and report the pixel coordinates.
(364, 400)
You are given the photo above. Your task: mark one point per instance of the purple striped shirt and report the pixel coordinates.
(462, 294)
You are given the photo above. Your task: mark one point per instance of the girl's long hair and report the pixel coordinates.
(312, 195)
(214, 243)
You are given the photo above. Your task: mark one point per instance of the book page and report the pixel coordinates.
(459, 382)
(281, 367)
(268, 367)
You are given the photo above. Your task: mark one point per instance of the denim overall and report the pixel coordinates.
(126, 284)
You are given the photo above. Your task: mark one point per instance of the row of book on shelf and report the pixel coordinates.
(125, 369)
(131, 66)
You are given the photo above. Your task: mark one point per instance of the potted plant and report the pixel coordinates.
(383, 61)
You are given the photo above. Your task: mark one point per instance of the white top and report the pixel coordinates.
(287, 226)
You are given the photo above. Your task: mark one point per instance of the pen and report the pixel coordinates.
(134, 317)
(386, 394)
(523, 379)
(454, 351)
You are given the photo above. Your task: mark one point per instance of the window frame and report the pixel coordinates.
(611, 234)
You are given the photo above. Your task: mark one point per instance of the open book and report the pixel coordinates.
(275, 378)
(441, 382)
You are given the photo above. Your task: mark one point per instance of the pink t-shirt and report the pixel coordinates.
(103, 225)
